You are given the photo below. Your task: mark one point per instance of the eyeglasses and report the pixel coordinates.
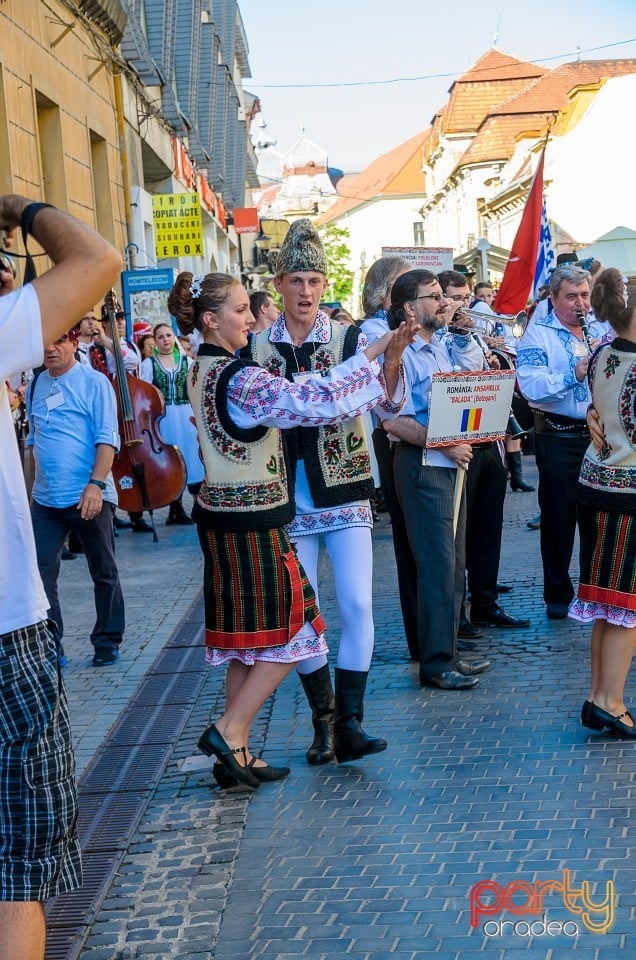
(428, 296)
(460, 298)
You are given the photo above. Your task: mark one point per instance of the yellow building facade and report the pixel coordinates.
(59, 133)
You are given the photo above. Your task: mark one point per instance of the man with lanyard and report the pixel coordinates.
(73, 436)
(425, 483)
(39, 850)
(332, 488)
(552, 374)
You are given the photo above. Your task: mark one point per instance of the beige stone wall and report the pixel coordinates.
(58, 126)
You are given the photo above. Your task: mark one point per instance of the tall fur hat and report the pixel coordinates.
(301, 250)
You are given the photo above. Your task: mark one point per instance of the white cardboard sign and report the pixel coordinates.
(469, 407)
(434, 259)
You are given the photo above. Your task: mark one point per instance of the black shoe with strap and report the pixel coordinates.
(266, 774)
(212, 742)
(614, 724)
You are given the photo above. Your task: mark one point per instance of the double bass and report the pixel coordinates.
(148, 472)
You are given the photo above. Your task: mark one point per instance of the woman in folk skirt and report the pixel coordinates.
(607, 515)
(261, 616)
(167, 369)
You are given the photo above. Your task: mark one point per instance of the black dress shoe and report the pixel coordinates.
(449, 680)
(105, 656)
(266, 774)
(141, 526)
(211, 742)
(472, 669)
(496, 617)
(120, 524)
(614, 724)
(468, 631)
(557, 611)
(503, 588)
(587, 720)
(466, 646)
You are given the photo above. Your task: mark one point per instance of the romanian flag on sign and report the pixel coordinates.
(471, 418)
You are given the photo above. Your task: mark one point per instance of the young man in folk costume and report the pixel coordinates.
(332, 489)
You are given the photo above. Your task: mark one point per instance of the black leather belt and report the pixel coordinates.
(555, 423)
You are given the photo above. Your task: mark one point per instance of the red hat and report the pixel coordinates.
(140, 329)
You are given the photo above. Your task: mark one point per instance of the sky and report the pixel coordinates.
(293, 42)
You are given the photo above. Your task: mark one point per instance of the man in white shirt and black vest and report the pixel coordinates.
(332, 489)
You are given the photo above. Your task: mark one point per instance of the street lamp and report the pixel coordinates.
(484, 246)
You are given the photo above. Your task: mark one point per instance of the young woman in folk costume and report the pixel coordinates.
(168, 369)
(261, 615)
(607, 514)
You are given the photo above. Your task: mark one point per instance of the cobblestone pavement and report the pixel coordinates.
(373, 859)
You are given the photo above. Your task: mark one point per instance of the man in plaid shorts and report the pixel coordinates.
(39, 850)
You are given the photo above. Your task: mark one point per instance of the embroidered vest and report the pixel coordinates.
(172, 389)
(245, 486)
(336, 455)
(608, 476)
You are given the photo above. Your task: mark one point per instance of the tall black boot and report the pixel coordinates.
(350, 740)
(321, 700)
(177, 514)
(516, 473)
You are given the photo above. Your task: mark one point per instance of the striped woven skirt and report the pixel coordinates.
(607, 589)
(257, 595)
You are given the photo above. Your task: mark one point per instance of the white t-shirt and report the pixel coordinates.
(22, 597)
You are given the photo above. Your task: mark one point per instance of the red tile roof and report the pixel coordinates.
(492, 80)
(527, 112)
(495, 65)
(550, 92)
(394, 173)
(497, 137)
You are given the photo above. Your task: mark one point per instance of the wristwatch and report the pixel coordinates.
(98, 483)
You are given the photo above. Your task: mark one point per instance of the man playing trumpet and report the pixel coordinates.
(485, 494)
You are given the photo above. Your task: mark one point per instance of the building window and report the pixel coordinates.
(418, 233)
(51, 151)
(101, 187)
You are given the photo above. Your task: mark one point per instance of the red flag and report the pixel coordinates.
(519, 273)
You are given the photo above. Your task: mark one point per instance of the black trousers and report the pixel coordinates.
(404, 560)
(485, 495)
(427, 496)
(51, 526)
(559, 458)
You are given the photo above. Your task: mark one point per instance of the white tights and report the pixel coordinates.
(351, 555)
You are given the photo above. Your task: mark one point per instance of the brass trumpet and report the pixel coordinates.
(517, 323)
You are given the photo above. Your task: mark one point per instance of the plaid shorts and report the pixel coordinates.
(39, 847)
